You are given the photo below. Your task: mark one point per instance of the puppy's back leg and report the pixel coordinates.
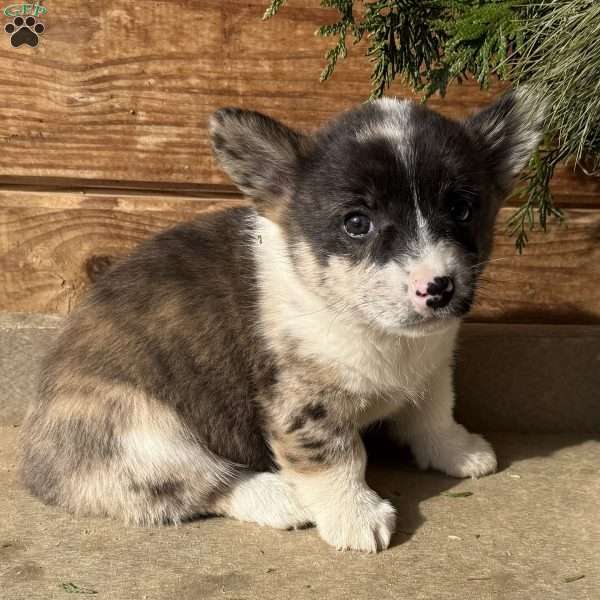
(124, 455)
(263, 498)
(121, 454)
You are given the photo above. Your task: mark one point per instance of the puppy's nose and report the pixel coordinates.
(440, 290)
(436, 293)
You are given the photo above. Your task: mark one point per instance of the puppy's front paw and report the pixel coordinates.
(456, 452)
(359, 522)
(475, 459)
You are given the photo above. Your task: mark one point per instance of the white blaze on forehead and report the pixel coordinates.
(397, 129)
(423, 229)
(423, 236)
(392, 126)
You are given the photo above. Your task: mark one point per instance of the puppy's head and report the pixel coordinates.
(388, 211)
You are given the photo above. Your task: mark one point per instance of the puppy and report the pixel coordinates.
(229, 364)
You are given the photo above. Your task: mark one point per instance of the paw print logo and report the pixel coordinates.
(24, 31)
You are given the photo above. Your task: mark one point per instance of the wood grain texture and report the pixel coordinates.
(121, 91)
(554, 281)
(52, 243)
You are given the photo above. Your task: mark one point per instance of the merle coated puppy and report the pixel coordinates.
(229, 364)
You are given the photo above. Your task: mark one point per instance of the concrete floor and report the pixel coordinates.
(531, 531)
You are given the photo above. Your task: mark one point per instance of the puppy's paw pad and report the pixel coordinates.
(365, 523)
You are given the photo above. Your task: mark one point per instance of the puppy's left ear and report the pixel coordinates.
(507, 133)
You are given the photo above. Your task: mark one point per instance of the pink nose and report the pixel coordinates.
(434, 293)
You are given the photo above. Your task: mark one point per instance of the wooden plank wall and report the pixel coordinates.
(103, 133)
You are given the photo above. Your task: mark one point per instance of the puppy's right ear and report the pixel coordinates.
(260, 154)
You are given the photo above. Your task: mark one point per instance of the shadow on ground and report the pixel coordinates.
(394, 475)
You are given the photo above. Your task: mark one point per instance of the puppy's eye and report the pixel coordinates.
(460, 210)
(357, 225)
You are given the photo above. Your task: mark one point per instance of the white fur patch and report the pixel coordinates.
(394, 128)
(266, 499)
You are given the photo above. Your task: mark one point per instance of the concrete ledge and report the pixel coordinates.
(23, 341)
(527, 378)
(16, 321)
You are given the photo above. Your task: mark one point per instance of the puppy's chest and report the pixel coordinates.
(384, 373)
(377, 374)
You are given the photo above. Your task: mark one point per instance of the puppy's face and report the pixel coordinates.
(388, 211)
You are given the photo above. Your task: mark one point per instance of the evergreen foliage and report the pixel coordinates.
(552, 46)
